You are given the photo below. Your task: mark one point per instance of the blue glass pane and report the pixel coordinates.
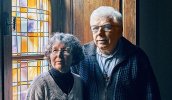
(24, 74)
(14, 44)
(23, 91)
(41, 16)
(23, 3)
(32, 26)
(32, 10)
(45, 26)
(18, 14)
(23, 25)
(19, 44)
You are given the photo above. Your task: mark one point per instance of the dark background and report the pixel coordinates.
(155, 38)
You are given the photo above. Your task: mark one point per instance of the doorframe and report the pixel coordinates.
(5, 50)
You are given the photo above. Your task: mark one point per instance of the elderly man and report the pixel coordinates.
(114, 68)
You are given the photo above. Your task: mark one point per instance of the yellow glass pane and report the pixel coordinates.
(23, 83)
(24, 44)
(14, 75)
(38, 63)
(32, 3)
(13, 14)
(14, 64)
(14, 3)
(35, 44)
(18, 74)
(38, 34)
(47, 12)
(32, 73)
(32, 34)
(42, 34)
(46, 17)
(38, 4)
(42, 25)
(39, 70)
(23, 9)
(18, 24)
(14, 92)
(44, 4)
(30, 44)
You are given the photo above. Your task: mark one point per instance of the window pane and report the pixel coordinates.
(24, 71)
(28, 38)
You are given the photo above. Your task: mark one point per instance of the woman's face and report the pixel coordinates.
(61, 57)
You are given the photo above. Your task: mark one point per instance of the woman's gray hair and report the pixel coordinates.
(107, 11)
(70, 41)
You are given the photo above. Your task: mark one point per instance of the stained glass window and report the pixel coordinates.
(29, 38)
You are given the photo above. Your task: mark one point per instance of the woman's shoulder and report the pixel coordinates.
(40, 79)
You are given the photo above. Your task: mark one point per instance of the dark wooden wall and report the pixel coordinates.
(82, 11)
(73, 16)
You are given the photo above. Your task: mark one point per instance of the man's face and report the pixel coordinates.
(105, 32)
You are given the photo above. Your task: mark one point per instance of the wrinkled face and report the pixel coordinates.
(61, 57)
(105, 32)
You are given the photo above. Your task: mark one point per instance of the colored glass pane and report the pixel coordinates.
(23, 91)
(24, 15)
(13, 14)
(41, 4)
(41, 25)
(14, 2)
(44, 4)
(23, 3)
(14, 75)
(32, 26)
(45, 26)
(32, 16)
(19, 44)
(23, 74)
(32, 73)
(24, 44)
(14, 44)
(14, 92)
(13, 8)
(32, 3)
(38, 4)
(18, 75)
(23, 25)
(23, 9)
(18, 21)
(33, 44)
(30, 10)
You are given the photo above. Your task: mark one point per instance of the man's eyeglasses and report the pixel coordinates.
(106, 28)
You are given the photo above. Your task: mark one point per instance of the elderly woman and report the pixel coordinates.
(63, 51)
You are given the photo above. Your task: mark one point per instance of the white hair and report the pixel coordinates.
(108, 12)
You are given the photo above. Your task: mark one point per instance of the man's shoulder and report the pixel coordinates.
(89, 48)
(88, 45)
